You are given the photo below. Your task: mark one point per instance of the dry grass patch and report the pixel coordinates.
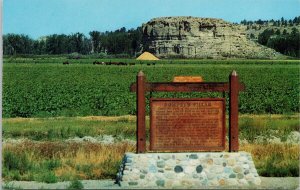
(60, 161)
(275, 160)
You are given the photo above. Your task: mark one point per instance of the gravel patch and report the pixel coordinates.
(267, 183)
(292, 138)
(103, 139)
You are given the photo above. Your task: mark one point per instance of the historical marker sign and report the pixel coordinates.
(180, 124)
(187, 124)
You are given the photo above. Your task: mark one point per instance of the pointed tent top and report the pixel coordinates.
(233, 73)
(141, 73)
(147, 56)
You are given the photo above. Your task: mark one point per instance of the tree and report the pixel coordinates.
(244, 22)
(57, 44)
(78, 41)
(136, 39)
(17, 44)
(260, 22)
(287, 44)
(282, 20)
(95, 37)
(296, 20)
(264, 36)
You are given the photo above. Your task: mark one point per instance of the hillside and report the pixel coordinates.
(254, 28)
(281, 35)
(253, 31)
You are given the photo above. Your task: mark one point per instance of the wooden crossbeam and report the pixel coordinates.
(187, 87)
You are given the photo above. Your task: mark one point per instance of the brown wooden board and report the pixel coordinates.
(187, 87)
(187, 124)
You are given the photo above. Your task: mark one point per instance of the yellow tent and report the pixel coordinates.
(147, 56)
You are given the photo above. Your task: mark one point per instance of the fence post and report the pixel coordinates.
(233, 112)
(141, 106)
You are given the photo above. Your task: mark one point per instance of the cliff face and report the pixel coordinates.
(192, 37)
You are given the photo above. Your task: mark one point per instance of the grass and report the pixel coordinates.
(76, 184)
(60, 59)
(74, 161)
(68, 127)
(52, 159)
(250, 127)
(59, 161)
(275, 160)
(267, 126)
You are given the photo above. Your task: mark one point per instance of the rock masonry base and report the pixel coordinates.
(187, 170)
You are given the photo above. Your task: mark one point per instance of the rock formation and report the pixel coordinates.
(192, 37)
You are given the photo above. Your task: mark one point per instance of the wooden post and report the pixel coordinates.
(233, 112)
(141, 120)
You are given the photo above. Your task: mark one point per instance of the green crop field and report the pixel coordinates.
(44, 87)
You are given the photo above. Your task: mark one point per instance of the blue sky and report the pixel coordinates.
(43, 17)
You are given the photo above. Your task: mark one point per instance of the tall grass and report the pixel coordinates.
(54, 159)
(275, 160)
(67, 127)
(58, 161)
(267, 126)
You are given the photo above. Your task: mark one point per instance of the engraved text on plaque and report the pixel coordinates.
(180, 124)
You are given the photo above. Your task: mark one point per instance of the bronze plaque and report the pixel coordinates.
(180, 124)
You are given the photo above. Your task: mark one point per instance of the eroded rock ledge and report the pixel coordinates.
(193, 37)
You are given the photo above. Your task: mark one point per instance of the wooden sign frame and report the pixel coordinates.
(232, 87)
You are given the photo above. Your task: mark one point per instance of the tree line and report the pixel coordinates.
(272, 22)
(120, 41)
(283, 42)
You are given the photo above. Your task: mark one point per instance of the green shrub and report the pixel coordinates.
(51, 164)
(14, 175)
(47, 177)
(272, 168)
(76, 184)
(16, 161)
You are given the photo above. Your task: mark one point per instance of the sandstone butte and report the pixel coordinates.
(207, 38)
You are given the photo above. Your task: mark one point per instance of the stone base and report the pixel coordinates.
(187, 170)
